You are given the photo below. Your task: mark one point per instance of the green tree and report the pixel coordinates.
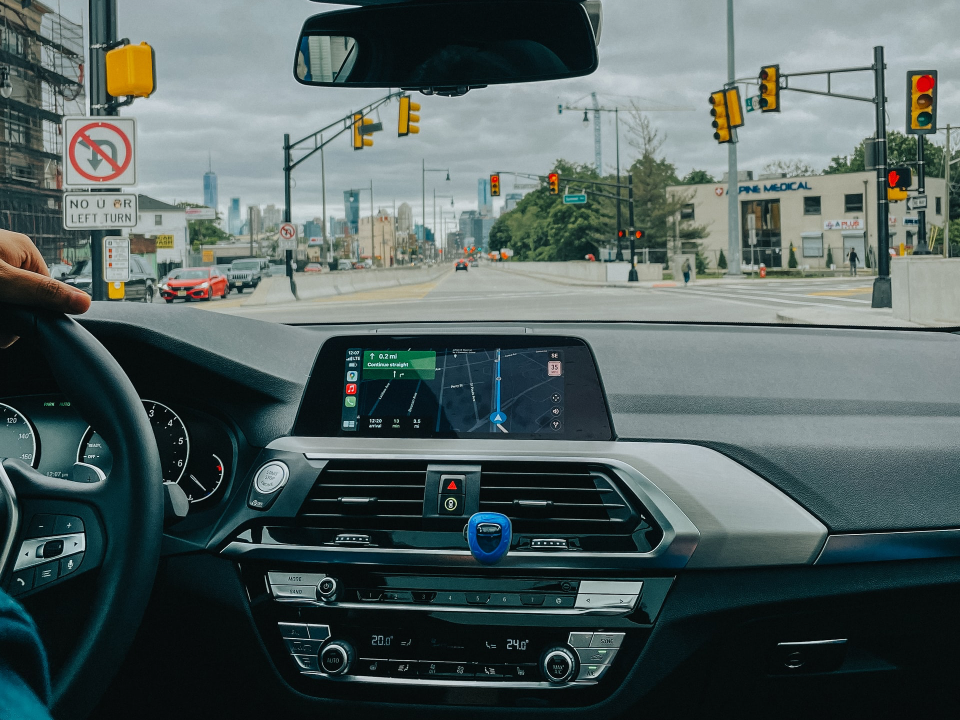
(702, 263)
(792, 262)
(790, 168)
(698, 177)
(722, 261)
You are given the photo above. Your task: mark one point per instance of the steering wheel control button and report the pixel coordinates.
(580, 639)
(267, 484)
(557, 665)
(293, 631)
(21, 582)
(328, 589)
(47, 573)
(41, 526)
(50, 549)
(271, 477)
(70, 564)
(605, 640)
(67, 524)
(307, 663)
(336, 658)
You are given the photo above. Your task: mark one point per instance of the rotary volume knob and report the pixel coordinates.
(336, 658)
(558, 665)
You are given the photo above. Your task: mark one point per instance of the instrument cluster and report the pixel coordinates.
(46, 431)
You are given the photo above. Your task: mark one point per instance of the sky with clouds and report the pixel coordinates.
(226, 89)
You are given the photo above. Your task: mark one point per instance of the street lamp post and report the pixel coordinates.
(423, 192)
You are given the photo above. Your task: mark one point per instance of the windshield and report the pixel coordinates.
(605, 197)
(190, 275)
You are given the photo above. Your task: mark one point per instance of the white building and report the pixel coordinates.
(157, 218)
(815, 214)
(405, 218)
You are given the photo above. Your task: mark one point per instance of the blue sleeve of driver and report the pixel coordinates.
(24, 674)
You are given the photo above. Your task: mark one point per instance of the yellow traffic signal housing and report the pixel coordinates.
(734, 107)
(921, 102)
(360, 141)
(770, 88)
(553, 182)
(131, 71)
(896, 195)
(408, 117)
(722, 132)
(494, 185)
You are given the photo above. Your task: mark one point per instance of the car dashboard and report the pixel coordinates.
(699, 515)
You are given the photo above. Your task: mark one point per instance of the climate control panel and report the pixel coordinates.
(517, 657)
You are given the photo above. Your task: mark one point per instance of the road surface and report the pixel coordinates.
(486, 294)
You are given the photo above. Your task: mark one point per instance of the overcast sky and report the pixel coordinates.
(225, 87)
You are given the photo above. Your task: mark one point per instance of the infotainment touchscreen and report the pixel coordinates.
(456, 387)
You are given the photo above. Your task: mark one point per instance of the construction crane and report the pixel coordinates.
(596, 108)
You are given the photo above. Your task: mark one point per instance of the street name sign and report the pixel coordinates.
(917, 202)
(907, 220)
(99, 152)
(753, 103)
(576, 199)
(116, 259)
(99, 211)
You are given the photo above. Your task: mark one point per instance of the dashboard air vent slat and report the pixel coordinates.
(557, 498)
(368, 495)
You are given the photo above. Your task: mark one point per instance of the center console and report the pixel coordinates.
(371, 572)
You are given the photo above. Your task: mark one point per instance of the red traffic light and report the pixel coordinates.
(621, 234)
(899, 177)
(638, 234)
(925, 83)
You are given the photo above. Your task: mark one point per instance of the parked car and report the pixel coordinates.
(203, 283)
(462, 265)
(313, 268)
(141, 287)
(245, 273)
(345, 264)
(359, 266)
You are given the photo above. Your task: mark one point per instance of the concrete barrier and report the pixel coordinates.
(274, 290)
(581, 271)
(926, 289)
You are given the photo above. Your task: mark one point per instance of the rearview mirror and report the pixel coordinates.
(447, 47)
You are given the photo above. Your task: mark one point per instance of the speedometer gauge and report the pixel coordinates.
(17, 439)
(173, 443)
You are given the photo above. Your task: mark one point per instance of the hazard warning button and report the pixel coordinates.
(451, 484)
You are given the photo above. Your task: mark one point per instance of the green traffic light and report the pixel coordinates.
(924, 119)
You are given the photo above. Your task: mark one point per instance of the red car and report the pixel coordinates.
(201, 283)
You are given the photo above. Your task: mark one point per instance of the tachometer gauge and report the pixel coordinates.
(202, 479)
(173, 443)
(17, 439)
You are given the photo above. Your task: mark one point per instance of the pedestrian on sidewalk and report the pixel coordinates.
(686, 271)
(854, 259)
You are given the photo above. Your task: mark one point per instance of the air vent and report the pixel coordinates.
(562, 499)
(368, 495)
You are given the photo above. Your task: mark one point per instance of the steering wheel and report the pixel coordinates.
(120, 518)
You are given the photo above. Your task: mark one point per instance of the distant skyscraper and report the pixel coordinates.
(234, 219)
(484, 203)
(272, 215)
(338, 227)
(351, 203)
(210, 196)
(405, 218)
(511, 201)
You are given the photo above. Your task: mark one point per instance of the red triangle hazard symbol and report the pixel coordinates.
(452, 485)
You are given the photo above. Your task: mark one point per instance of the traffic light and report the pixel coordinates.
(899, 180)
(621, 234)
(921, 102)
(494, 186)
(408, 116)
(722, 132)
(770, 88)
(131, 71)
(638, 234)
(553, 182)
(360, 141)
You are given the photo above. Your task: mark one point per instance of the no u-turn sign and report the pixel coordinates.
(99, 152)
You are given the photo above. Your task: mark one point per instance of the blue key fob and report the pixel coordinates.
(489, 535)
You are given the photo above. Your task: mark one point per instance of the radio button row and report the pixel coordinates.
(607, 640)
(305, 592)
(478, 598)
(283, 578)
(596, 601)
(532, 600)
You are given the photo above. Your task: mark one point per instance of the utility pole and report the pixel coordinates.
(946, 200)
(616, 124)
(250, 227)
(323, 186)
(103, 31)
(632, 276)
(373, 250)
(882, 294)
(733, 179)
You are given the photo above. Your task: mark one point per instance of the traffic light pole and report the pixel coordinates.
(922, 247)
(734, 242)
(632, 277)
(103, 31)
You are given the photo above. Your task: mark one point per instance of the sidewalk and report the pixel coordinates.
(866, 317)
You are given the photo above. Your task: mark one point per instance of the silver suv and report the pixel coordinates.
(244, 274)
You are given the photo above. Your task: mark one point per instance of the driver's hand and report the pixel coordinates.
(25, 280)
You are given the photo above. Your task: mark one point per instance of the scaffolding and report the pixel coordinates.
(44, 56)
